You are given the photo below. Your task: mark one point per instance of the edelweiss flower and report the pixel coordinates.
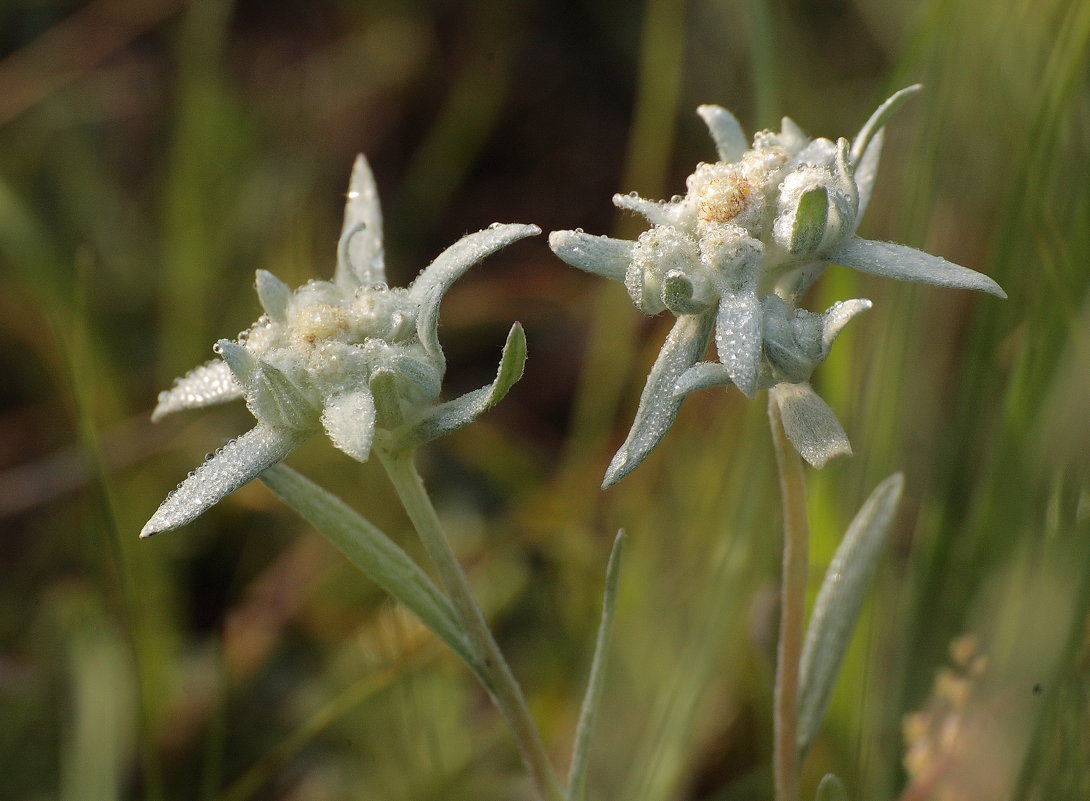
(760, 223)
(353, 357)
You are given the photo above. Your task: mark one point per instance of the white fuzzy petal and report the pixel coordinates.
(908, 264)
(878, 120)
(659, 404)
(866, 172)
(656, 212)
(725, 129)
(452, 263)
(810, 424)
(274, 294)
(600, 255)
(233, 465)
(209, 384)
(836, 317)
(360, 259)
(349, 420)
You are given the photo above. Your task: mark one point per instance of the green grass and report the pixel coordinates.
(243, 658)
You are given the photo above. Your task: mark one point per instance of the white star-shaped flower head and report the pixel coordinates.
(763, 220)
(353, 357)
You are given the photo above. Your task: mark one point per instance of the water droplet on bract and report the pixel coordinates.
(209, 455)
(633, 194)
(217, 348)
(495, 225)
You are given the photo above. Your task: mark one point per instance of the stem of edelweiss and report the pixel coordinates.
(501, 682)
(796, 535)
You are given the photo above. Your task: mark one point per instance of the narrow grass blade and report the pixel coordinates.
(375, 554)
(838, 604)
(577, 776)
(831, 789)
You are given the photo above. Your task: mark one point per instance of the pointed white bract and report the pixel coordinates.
(810, 424)
(760, 223)
(360, 257)
(350, 356)
(236, 463)
(207, 385)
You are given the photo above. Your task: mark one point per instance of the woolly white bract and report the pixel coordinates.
(734, 255)
(353, 357)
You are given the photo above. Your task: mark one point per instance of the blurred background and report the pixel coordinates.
(154, 154)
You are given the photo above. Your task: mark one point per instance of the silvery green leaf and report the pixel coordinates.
(811, 217)
(274, 295)
(678, 294)
(383, 385)
(452, 263)
(241, 361)
(810, 424)
(738, 337)
(820, 152)
(233, 465)
(702, 375)
(908, 264)
(577, 775)
(349, 420)
(659, 404)
(360, 259)
(836, 317)
(839, 602)
(599, 255)
(726, 131)
(427, 327)
(460, 412)
(418, 382)
(831, 789)
(209, 384)
(375, 554)
(866, 172)
(275, 400)
(878, 119)
(792, 137)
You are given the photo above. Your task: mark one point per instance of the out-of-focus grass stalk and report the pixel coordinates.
(250, 783)
(102, 522)
(465, 121)
(96, 750)
(796, 535)
(647, 157)
(206, 135)
(584, 731)
(765, 56)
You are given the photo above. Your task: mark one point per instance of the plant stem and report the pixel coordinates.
(785, 753)
(500, 682)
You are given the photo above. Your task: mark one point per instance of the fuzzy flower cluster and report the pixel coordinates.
(732, 258)
(352, 357)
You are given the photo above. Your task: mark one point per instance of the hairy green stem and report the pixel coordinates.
(796, 535)
(499, 681)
